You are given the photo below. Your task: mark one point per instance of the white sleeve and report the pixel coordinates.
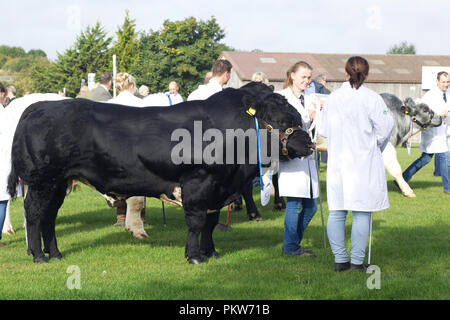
(323, 119)
(382, 122)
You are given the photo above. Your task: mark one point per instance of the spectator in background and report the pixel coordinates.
(144, 91)
(126, 84)
(260, 77)
(3, 95)
(101, 93)
(221, 73)
(84, 90)
(208, 77)
(11, 93)
(172, 95)
(4, 161)
(320, 83)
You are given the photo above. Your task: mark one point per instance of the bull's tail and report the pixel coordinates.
(13, 180)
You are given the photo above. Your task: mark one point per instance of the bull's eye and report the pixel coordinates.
(289, 131)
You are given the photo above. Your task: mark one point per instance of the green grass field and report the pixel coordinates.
(410, 245)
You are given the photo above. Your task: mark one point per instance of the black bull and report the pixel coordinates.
(127, 151)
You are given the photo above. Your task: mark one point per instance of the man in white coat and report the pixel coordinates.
(221, 73)
(358, 125)
(434, 140)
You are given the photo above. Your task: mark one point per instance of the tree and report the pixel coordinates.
(89, 54)
(36, 53)
(13, 52)
(126, 47)
(402, 48)
(182, 51)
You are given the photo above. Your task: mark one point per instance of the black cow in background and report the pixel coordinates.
(126, 151)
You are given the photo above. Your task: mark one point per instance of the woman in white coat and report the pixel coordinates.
(357, 124)
(126, 84)
(5, 165)
(297, 179)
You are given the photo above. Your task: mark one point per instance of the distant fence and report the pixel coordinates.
(7, 78)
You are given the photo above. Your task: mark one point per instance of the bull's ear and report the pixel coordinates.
(406, 110)
(249, 104)
(409, 102)
(271, 87)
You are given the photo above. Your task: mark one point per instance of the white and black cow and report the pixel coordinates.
(409, 118)
(126, 151)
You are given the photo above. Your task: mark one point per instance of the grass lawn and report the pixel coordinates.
(410, 245)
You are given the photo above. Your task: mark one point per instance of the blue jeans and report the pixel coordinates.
(360, 234)
(437, 169)
(299, 212)
(3, 204)
(425, 158)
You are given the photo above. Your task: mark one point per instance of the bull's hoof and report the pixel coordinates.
(120, 223)
(42, 259)
(28, 252)
(197, 260)
(138, 234)
(9, 230)
(409, 195)
(254, 217)
(278, 206)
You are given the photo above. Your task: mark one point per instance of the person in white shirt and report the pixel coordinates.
(357, 124)
(221, 73)
(4, 196)
(297, 178)
(172, 95)
(144, 91)
(434, 140)
(126, 84)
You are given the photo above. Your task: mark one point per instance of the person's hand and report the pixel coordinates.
(312, 114)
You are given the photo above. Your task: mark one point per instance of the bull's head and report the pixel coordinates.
(421, 115)
(274, 112)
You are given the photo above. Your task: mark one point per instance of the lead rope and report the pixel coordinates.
(408, 145)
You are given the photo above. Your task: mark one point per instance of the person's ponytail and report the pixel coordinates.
(357, 68)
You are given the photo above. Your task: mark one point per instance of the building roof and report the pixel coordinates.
(384, 68)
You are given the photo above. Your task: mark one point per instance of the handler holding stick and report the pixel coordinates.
(357, 124)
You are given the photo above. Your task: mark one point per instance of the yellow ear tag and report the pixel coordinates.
(251, 111)
(406, 112)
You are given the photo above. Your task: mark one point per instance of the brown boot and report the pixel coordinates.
(121, 213)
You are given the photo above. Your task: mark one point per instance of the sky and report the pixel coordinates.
(315, 26)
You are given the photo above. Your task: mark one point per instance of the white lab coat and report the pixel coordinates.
(434, 140)
(297, 176)
(9, 118)
(128, 99)
(205, 91)
(358, 126)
